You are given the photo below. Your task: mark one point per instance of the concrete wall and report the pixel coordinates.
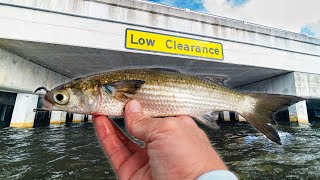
(20, 75)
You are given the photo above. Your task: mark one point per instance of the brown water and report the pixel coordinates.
(73, 152)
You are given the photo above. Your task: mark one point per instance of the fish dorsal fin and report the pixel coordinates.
(122, 90)
(208, 120)
(214, 78)
(165, 69)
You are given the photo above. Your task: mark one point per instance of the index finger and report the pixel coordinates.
(117, 152)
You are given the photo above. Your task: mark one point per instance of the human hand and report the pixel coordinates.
(176, 148)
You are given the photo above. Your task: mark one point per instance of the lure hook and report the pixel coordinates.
(41, 88)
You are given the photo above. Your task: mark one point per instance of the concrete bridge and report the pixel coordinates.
(46, 43)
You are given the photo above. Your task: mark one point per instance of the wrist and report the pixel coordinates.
(213, 162)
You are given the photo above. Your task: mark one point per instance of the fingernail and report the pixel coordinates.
(134, 106)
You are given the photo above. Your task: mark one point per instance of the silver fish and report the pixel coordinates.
(165, 93)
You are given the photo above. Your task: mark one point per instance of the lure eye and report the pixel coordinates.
(61, 97)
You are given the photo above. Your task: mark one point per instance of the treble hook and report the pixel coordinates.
(41, 88)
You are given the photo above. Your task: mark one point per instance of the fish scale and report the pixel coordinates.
(180, 99)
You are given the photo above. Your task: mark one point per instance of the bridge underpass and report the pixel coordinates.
(77, 38)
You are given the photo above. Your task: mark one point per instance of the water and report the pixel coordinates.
(251, 156)
(73, 152)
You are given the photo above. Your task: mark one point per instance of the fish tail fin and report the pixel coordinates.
(262, 115)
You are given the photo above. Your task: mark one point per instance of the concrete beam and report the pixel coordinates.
(307, 84)
(87, 24)
(23, 114)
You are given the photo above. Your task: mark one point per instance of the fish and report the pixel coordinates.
(164, 93)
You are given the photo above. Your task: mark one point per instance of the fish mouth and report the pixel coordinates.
(45, 105)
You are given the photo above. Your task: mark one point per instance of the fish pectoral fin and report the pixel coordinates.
(123, 90)
(208, 120)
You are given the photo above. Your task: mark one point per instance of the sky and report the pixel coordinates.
(292, 15)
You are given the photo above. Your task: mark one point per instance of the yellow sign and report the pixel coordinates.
(149, 41)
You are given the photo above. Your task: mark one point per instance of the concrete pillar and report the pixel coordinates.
(58, 117)
(233, 116)
(238, 117)
(298, 113)
(23, 114)
(89, 118)
(77, 118)
(241, 119)
(226, 115)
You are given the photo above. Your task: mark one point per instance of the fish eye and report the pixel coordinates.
(60, 97)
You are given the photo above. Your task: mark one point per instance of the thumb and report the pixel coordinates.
(137, 123)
